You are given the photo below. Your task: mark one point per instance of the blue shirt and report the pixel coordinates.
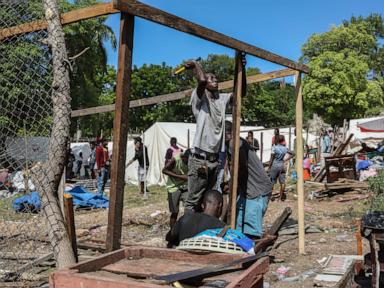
(279, 151)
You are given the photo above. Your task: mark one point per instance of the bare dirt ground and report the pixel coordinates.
(145, 222)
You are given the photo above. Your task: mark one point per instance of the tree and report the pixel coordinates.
(341, 61)
(47, 176)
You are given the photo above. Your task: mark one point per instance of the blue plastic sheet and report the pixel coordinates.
(82, 198)
(27, 203)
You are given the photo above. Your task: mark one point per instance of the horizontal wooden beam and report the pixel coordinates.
(66, 18)
(182, 94)
(161, 17)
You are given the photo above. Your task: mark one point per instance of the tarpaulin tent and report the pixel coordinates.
(372, 126)
(359, 134)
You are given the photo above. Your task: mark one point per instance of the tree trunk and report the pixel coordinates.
(47, 177)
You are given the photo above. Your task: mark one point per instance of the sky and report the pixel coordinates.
(279, 26)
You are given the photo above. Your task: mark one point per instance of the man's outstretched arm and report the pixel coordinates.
(200, 76)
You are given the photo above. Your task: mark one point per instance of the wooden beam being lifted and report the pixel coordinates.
(182, 94)
(66, 18)
(161, 17)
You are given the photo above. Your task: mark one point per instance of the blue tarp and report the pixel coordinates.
(27, 203)
(82, 198)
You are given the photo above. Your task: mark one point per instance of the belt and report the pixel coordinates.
(211, 157)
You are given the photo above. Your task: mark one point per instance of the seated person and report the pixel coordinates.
(192, 224)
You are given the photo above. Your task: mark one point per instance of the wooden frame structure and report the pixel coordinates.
(129, 9)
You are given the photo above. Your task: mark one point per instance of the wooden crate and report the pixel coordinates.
(136, 266)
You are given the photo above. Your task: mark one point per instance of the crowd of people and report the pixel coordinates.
(95, 166)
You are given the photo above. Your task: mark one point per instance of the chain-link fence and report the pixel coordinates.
(32, 130)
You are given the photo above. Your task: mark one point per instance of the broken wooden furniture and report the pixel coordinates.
(337, 167)
(373, 230)
(139, 266)
(339, 151)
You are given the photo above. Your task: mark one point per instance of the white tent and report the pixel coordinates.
(358, 134)
(157, 138)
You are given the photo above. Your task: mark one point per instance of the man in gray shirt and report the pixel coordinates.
(254, 188)
(208, 107)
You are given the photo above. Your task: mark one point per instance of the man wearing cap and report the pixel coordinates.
(208, 107)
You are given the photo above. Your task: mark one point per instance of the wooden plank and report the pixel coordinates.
(236, 117)
(66, 18)
(162, 253)
(12, 276)
(120, 132)
(182, 94)
(253, 276)
(99, 262)
(161, 17)
(64, 279)
(149, 267)
(203, 272)
(299, 162)
(278, 223)
(70, 223)
(260, 77)
(91, 246)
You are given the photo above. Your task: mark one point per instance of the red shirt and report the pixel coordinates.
(101, 156)
(282, 143)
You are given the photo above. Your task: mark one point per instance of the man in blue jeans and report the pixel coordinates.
(254, 188)
(102, 166)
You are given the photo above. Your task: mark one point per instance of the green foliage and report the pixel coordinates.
(25, 74)
(376, 185)
(90, 77)
(269, 105)
(341, 61)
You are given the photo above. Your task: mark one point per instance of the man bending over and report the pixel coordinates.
(191, 224)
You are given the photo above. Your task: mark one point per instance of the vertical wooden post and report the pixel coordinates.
(261, 146)
(70, 222)
(236, 114)
(120, 132)
(299, 162)
(290, 138)
(344, 129)
(145, 165)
